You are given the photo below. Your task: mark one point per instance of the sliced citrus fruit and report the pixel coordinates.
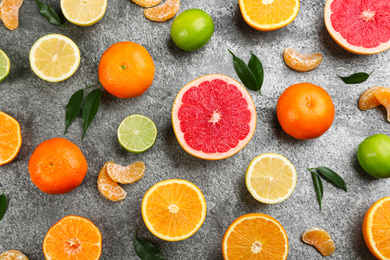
(109, 188)
(320, 239)
(269, 15)
(173, 210)
(301, 62)
(9, 13)
(13, 255)
(255, 236)
(137, 133)
(10, 138)
(73, 238)
(126, 174)
(163, 12)
(376, 229)
(271, 178)
(54, 57)
(83, 12)
(359, 26)
(147, 3)
(383, 96)
(213, 117)
(5, 65)
(368, 99)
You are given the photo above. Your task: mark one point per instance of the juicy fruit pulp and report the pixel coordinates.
(109, 188)
(147, 3)
(128, 174)
(13, 255)
(301, 62)
(213, 117)
(9, 13)
(5, 65)
(192, 29)
(10, 138)
(82, 12)
(359, 26)
(163, 12)
(374, 97)
(320, 239)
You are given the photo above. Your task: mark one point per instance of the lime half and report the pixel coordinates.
(137, 133)
(5, 65)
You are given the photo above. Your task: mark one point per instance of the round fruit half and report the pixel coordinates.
(213, 117)
(359, 26)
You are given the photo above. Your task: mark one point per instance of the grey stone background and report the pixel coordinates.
(39, 106)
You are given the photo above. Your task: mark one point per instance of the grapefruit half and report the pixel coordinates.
(213, 117)
(359, 26)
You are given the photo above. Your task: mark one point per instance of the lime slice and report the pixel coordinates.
(137, 133)
(5, 65)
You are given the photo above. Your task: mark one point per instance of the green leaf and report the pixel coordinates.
(90, 108)
(333, 177)
(257, 69)
(244, 73)
(51, 15)
(73, 108)
(318, 186)
(3, 205)
(145, 250)
(356, 78)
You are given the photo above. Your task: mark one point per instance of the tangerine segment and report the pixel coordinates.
(368, 98)
(126, 175)
(147, 3)
(72, 238)
(383, 96)
(10, 138)
(174, 210)
(9, 13)
(164, 11)
(376, 229)
(255, 236)
(301, 62)
(13, 255)
(109, 188)
(320, 239)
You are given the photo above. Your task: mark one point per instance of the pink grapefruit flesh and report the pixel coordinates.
(213, 117)
(359, 26)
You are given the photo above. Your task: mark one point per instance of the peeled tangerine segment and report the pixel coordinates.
(320, 239)
(301, 62)
(368, 98)
(126, 174)
(9, 13)
(109, 188)
(383, 96)
(13, 255)
(147, 3)
(164, 11)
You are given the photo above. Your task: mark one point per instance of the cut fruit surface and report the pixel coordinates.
(9, 13)
(359, 26)
(5, 65)
(10, 138)
(73, 238)
(320, 239)
(54, 57)
(147, 3)
(173, 210)
(271, 178)
(213, 117)
(163, 12)
(269, 15)
(126, 174)
(109, 188)
(368, 99)
(255, 236)
(301, 62)
(83, 12)
(383, 96)
(13, 255)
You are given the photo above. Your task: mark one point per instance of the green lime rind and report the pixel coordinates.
(5, 65)
(137, 133)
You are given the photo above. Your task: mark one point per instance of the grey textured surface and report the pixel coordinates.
(39, 106)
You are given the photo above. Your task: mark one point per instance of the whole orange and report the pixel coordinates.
(57, 166)
(305, 111)
(126, 70)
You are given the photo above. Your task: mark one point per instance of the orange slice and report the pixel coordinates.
(376, 229)
(9, 13)
(126, 175)
(173, 210)
(269, 15)
(73, 238)
(320, 239)
(109, 188)
(368, 99)
(13, 255)
(383, 97)
(301, 62)
(255, 236)
(147, 3)
(10, 138)
(163, 12)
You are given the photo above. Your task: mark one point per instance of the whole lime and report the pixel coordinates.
(374, 155)
(192, 29)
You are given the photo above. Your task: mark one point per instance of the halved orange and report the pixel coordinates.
(9, 13)
(255, 236)
(163, 12)
(126, 174)
(320, 239)
(174, 210)
(376, 229)
(13, 255)
(109, 188)
(10, 138)
(73, 238)
(301, 62)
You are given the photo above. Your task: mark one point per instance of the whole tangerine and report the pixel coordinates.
(305, 111)
(57, 166)
(126, 70)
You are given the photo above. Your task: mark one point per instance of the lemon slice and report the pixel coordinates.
(271, 178)
(83, 12)
(54, 57)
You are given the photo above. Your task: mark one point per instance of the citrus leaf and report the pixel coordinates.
(73, 108)
(244, 73)
(318, 187)
(90, 108)
(51, 15)
(145, 250)
(332, 176)
(356, 78)
(3, 205)
(257, 69)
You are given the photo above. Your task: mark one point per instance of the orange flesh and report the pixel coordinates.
(13, 255)
(147, 3)
(301, 62)
(383, 96)
(320, 239)
(128, 174)
(10, 138)
(109, 188)
(9, 13)
(368, 98)
(163, 12)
